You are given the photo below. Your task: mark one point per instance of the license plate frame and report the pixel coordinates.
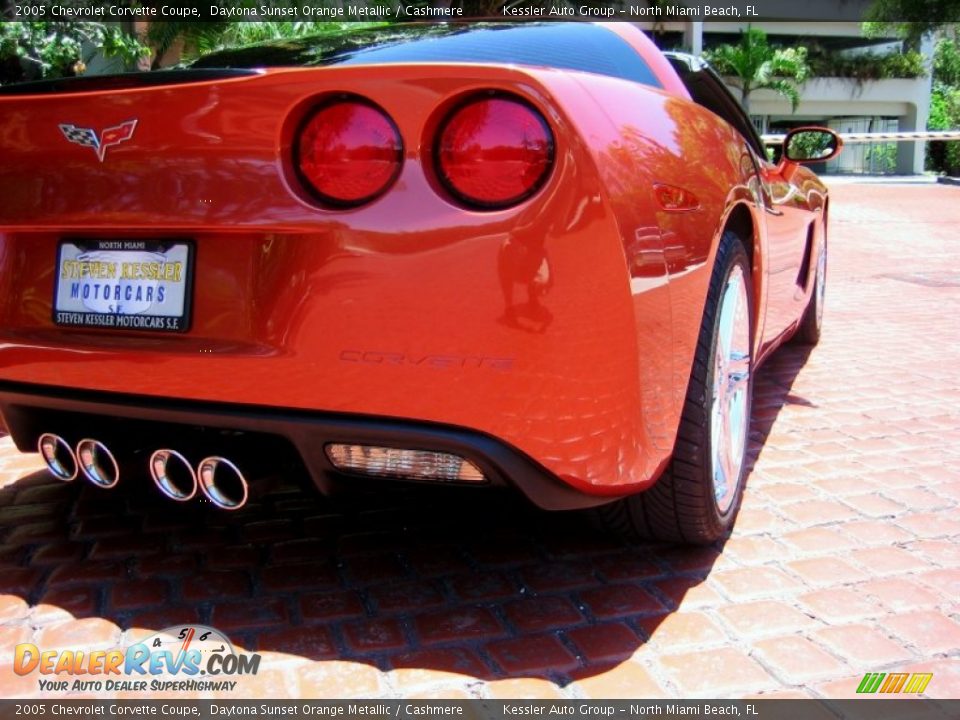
(106, 286)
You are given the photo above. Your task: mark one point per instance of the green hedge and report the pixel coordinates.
(867, 66)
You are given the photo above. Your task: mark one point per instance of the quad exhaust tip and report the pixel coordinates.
(173, 474)
(97, 463)
(222, 483)
(58, 457)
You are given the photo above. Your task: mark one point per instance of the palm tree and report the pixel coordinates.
(165, 34)
(754, 65)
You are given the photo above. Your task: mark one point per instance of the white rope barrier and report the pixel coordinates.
(881, 136)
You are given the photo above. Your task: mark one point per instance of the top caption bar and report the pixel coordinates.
(663, 11)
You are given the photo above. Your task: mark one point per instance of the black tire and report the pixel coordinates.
(681, 506)
(811, 324)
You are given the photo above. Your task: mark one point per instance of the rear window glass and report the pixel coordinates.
(573, 46)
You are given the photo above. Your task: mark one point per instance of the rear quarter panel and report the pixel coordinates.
(645, 138)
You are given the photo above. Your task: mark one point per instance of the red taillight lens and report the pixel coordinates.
(349, 152)
(494, 152)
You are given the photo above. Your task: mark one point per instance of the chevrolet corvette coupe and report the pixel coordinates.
(542, 256)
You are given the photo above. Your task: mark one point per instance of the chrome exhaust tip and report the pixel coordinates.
(58, 457)
(173, 474)
(222, 483)
(97, 463)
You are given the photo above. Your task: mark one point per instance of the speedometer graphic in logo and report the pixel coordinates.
(199, 643)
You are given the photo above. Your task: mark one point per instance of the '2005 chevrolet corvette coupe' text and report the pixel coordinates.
(546, 256)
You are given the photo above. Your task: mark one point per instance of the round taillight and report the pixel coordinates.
(348, 152)
(494, 152)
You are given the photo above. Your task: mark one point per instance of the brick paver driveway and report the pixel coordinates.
(845, 559)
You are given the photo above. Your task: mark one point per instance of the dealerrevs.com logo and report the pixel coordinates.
(183, 658)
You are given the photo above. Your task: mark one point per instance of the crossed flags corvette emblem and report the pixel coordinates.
(88, 136)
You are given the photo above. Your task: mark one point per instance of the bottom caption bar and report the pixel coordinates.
(759, 709)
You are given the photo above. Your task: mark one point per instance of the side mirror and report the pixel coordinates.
(811, 144)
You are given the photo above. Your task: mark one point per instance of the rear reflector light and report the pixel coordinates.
(676, 198)
(409, 464)
(348, 152)
(494, 152)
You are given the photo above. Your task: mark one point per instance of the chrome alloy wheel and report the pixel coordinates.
(730, 412)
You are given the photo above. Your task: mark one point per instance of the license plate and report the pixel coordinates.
(124, 284)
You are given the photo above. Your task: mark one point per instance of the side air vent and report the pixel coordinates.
(804, 275)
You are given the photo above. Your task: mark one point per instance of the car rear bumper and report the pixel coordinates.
(136, 425)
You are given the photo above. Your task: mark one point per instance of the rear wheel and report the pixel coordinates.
(697, 497)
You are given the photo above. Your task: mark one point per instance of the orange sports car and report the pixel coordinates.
(544, 256)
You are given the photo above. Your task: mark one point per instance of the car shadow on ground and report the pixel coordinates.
(468, 582)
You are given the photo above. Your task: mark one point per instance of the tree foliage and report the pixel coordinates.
(202, 38)
(945, 105)
(912, 19)
(43, 49)
(946, 62)
(754, 64)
